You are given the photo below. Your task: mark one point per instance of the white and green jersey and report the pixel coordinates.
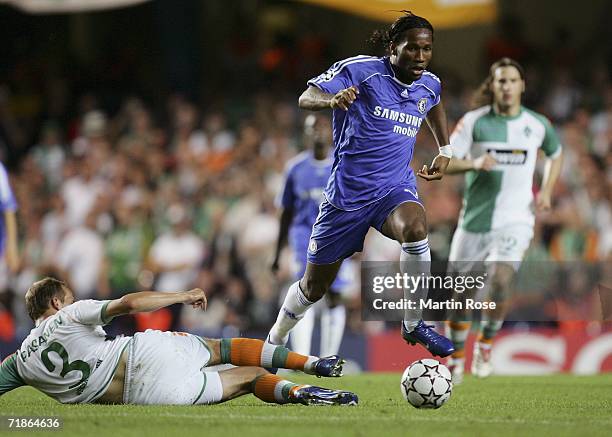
(502, 196)
(68, 356)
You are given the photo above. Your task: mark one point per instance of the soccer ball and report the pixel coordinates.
(426, 384)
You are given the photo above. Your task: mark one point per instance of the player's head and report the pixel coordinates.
(46, 294)
(409, 42)
(504, 86)
(318, 134)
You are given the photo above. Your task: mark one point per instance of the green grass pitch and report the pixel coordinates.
(500, 406)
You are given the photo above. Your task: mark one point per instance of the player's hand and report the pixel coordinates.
(436, 170)
(485, 162)
(196, 298)
(543, 202)
(344, 98)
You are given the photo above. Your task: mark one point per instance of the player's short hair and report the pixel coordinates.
(483, 95)
(396, 31)
(39, 295)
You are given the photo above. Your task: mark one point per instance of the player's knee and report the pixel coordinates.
(414, 231)
(214, 346)
(314, 288)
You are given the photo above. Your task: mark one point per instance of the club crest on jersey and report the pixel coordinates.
(422, 105)
(312, 246)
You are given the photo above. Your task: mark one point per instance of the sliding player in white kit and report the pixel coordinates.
(496, 145)
(69, 357)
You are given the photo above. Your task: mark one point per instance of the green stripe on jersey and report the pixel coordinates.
(481, 190)
(491, 128)
(550, 143)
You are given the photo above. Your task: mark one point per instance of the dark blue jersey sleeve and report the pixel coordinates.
(346, 73)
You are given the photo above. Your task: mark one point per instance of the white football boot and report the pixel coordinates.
(481, 362)
(456, 367)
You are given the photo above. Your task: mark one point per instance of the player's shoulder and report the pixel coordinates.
(476, 114)
(80, 305)
(431, 82)
(536, 116)
(362, 65)
(428, 76)
(297, 161)
(479, 112)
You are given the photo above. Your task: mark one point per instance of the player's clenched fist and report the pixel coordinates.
(196, 298)
(344, 98)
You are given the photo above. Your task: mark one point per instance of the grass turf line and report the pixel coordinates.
(547, 405)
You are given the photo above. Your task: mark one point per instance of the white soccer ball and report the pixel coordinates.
(426, 384)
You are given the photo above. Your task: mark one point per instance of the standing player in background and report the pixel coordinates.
(496, 145)
(299, 201)
(378, 106)
(8, 224)
(9, 253)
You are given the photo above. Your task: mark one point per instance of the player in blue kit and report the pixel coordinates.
(8, 225)
(305, 179)
(379, 104)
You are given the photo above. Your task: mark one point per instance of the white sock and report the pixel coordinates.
(332, 329)
(415, 260)
(301, 334)
(292, 311)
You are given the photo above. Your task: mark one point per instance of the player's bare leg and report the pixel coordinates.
(492, 320)
(274, 389)
(457, 329)
(301, 295)
(407, 224)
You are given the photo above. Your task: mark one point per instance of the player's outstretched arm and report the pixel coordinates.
(485, 162)
(145, 301)
(286, 217)
(314, 99)
(552, 170)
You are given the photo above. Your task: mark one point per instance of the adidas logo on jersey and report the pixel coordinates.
(509, 157)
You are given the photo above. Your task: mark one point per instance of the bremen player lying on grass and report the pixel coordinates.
(69, 357)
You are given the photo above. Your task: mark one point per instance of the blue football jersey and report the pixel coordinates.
(305, 180)
(374, 139)
(7, 203)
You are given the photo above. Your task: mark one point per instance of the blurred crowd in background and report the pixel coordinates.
(174, 193)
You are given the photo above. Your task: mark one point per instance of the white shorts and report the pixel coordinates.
(506, 245)
(167, 368)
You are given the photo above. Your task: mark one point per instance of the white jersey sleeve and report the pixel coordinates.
(462, 137)
(88, 312)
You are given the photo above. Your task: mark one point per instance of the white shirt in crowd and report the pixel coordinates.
(170, 251)
(80, 197)
(80, 254)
